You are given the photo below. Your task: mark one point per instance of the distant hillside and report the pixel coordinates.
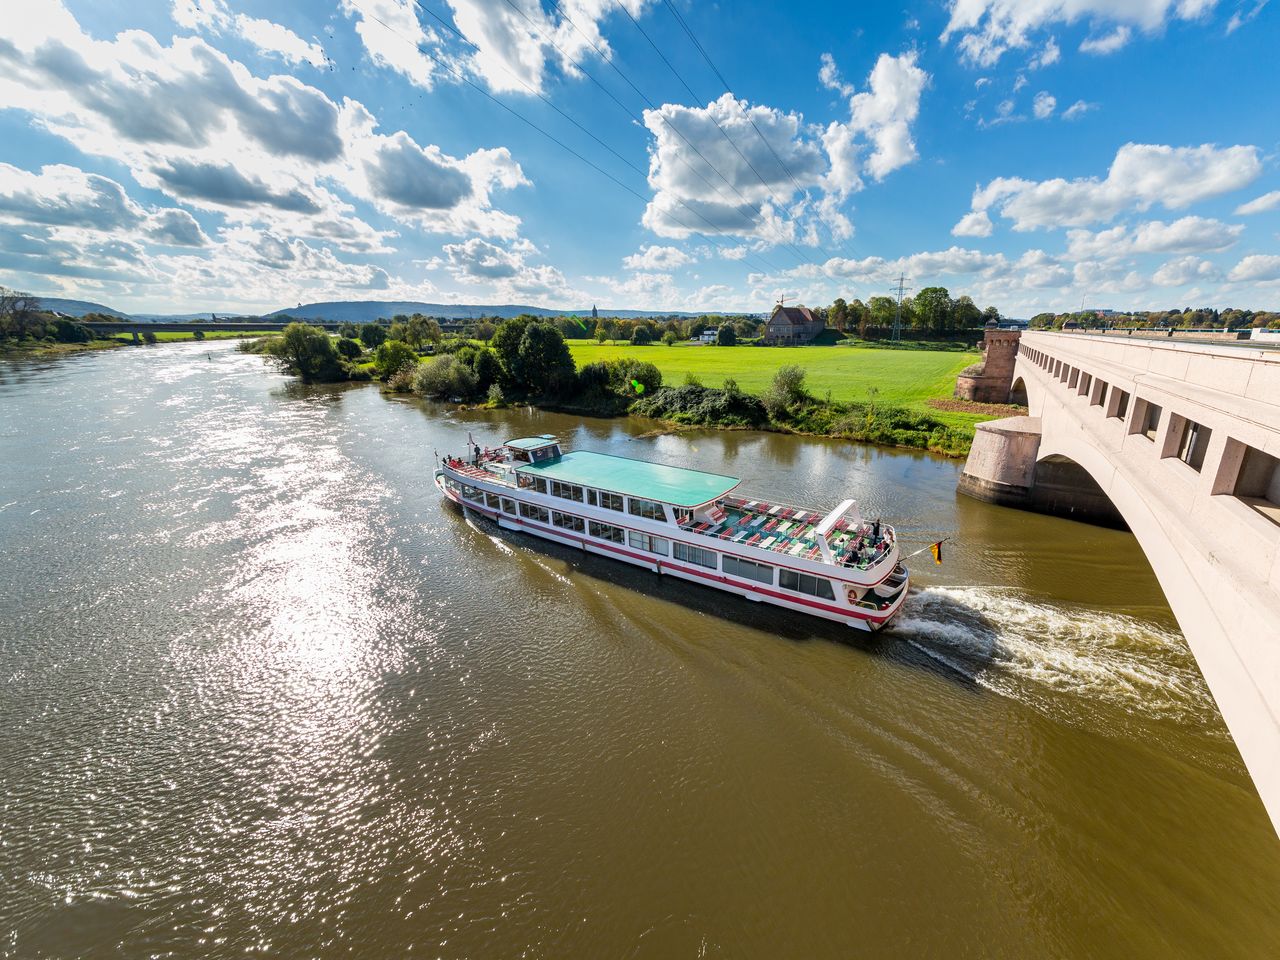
(78, 308)
(365, 311)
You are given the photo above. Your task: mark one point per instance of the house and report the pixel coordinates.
(792, 325)
(709, 335)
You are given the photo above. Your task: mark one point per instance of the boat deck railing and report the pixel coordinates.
(792, 530)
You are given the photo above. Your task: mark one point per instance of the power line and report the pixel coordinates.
(720, 76)
(897, 313)
(698, 100)
(525, 120)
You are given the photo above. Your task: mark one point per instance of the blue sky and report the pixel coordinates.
(1035, 154)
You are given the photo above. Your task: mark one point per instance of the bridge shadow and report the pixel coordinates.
(905, 642)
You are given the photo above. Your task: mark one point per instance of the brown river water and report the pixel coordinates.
(263, 694)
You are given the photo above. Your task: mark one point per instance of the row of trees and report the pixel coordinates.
(1187, 318)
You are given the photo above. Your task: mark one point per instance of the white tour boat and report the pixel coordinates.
(688, 524)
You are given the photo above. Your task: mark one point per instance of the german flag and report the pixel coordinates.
(936, 550)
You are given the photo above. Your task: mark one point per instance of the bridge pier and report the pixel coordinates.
(1005, 468)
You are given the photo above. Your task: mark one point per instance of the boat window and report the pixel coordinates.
(568, 522)
(806, 583)
(605, 531)
(531, 512)
(566, 491)
(683, 516)
(748, 569)
(642, 541)
(491, 499)
(532, 483)
(649, 509)
(591, 498)
(508, 506)
(703, 558)
(471, 493)
(611, 501)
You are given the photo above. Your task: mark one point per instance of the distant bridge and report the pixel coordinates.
(136, 327)
(1181, 443)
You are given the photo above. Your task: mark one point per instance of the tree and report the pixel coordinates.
(726, 336)
(641, 336)
(198, 335)
(882, 310)
(399, 331)
(391, 356)
(17, 312)
(348, 330)
(786, 390)
(839, 314)
(934, 309)
(670, 338)
(506, 343)
(372, 335)
(860, 317)
(1042, 321)
(308, 352)
(423, 330)
(484, 331)
(148, 336)
(348, 348)
(965, 314)
(601, 333)
(990, 315)
(544, 365)
(446, 378)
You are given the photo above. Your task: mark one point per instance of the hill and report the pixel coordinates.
(365, 311)
(78, 308)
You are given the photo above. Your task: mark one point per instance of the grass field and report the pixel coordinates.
(906, 378)
(174, 337)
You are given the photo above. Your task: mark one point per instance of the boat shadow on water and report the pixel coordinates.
(922, 637)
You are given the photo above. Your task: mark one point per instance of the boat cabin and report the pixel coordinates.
(540, 449)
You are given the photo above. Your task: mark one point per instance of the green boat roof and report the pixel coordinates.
(530, 443)
(635, 478)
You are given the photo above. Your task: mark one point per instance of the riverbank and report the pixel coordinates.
(41, 349)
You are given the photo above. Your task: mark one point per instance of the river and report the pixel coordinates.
(264, 694)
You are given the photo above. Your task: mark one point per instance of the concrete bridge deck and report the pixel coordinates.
(1181, 442)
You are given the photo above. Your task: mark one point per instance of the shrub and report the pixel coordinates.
(444, 378)
(307, 351)
(148, 336)
(198, 335)
(401, 381)
(641, 336)
(702, 405)
(726, 336)
(786, 390)
(348, 348)
(670, 338)
(496, 399)
(691, 380)
(349, 331)
(391, 356)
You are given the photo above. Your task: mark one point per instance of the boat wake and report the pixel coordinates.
(1036, 653)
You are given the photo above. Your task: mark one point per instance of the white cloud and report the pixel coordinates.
(1241, 17)
(1077, 110)
(1183, 271)
(1187, 235)
(1268, 201)
(1141, 175)
(1256, 268)
(976, 223)
(656, 257)
(1107, 43)
(1044, 105)
(1049, 55)
(829, 77)
(989, 28)
(394, 38)
(504, 271)
(268, 37)
(885, 112)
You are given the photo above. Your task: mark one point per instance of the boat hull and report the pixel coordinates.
(854, 617)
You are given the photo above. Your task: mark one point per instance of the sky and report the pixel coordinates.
(188, 155)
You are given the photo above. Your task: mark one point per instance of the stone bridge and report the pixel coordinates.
(1180, 442)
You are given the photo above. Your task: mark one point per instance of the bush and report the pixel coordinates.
(68, 331)
(148, 336)
(786, 391)
(348, 331)
(308, 352)
(198, 335)
(726, 336)
(401, 381)
(445, 378)
(702, 405)
(372, 335)
(670, 338)
(348, 348)
(495, 397)
(391, 356)
(641, 336)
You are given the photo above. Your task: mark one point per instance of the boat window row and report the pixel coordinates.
(691, 554)
(805, 583)
(532, 512)
(1248, 474)
(649, 509)
(747, 569)
(566, 521)
(566, 491)
(647, 542)
(607, 531)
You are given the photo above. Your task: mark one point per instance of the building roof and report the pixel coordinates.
(531, 443)
(797, 315)
(635, 478)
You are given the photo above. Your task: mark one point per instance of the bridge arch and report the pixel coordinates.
(1018, 392)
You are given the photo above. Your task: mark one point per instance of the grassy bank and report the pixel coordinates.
(901, 378)
(27, 349)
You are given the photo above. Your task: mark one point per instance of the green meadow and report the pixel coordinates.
(905, 378)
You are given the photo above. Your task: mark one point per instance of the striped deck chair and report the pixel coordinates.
(717, 515)
(766, 544)
(812, 554)
(796, 549)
